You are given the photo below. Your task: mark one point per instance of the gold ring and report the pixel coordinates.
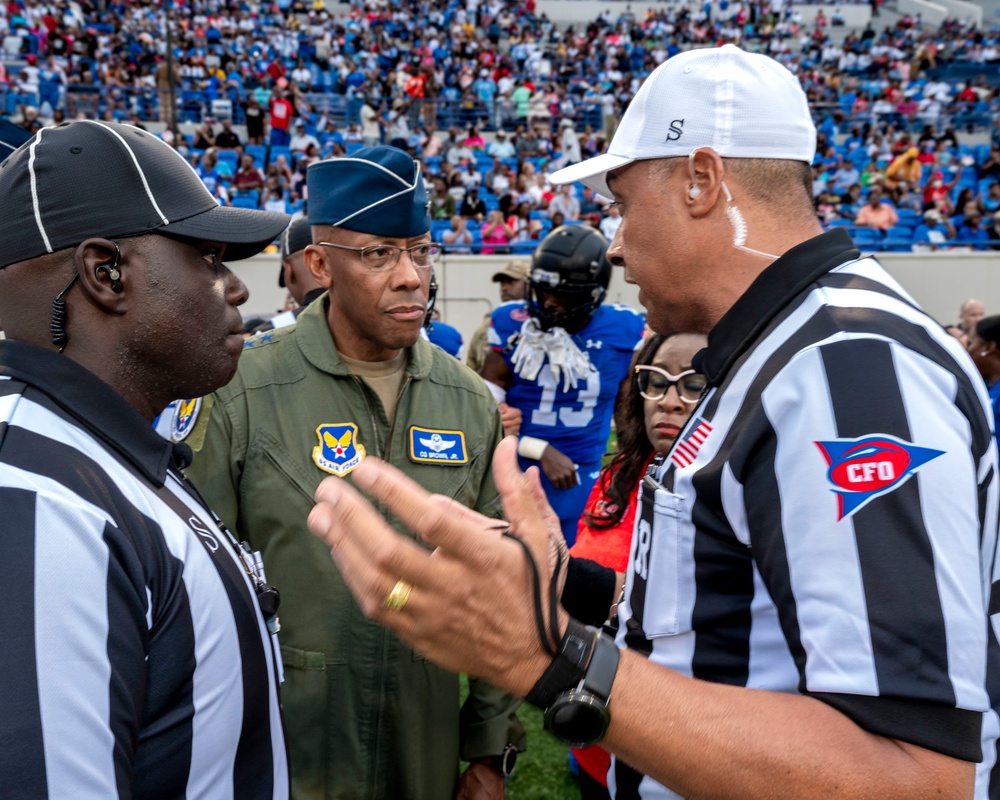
(397, 598)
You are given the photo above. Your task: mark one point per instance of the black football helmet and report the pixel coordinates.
(570, 264)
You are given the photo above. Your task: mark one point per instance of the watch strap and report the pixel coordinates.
(568, 667)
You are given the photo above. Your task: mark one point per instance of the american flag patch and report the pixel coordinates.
(686, 449)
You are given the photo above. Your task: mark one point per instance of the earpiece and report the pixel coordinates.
(111, 271)
(112, 274)
(695, 191)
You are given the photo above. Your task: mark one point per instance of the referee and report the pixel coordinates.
(137, 659)
(806, 610)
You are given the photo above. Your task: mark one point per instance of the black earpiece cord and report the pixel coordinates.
(550, 638)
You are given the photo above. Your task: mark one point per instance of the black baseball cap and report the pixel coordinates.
(88, 178)
(297, 236)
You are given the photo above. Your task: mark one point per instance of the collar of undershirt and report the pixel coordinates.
(774, 289)
(94, 405)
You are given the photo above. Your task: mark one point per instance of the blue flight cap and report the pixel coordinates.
(377, 190)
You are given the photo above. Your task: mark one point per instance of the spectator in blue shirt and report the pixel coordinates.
(972, 233)
(501, 147)
(444, 335)
(935, 232)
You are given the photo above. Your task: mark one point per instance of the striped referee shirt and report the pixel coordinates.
(826, 524)
(135, 660)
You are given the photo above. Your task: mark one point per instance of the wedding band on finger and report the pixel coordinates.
(397, 598)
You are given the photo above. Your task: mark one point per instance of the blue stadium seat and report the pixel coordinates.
(248, 194)
(279, 150)
(243, 201)
(230, 158)
(438, 228)
(259, 153)
(865, 235)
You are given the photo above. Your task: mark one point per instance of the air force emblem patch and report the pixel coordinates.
(338, 451)
(429, 446)
(862, 469)
(185, 416)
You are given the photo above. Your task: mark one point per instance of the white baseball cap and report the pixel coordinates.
(742, 105)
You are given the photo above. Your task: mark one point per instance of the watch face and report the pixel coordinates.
(578, 718)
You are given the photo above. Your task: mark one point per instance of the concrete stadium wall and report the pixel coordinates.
(939, 282)
(582, 11)
(931, 13)
(934, 13)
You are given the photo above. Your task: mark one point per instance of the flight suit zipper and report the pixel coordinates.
(392, 425)
(371, 413)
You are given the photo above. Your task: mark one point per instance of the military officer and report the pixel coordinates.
(366, 715)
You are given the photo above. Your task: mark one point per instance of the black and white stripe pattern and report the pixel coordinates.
(136, 662)
(742, 571)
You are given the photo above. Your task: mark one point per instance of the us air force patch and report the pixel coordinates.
(338, 451)
(185, 416)
(429, 446)
(862, 469)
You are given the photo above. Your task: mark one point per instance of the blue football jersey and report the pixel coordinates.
(576, 421)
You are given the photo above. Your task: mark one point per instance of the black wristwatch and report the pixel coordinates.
(576, 688)
(503, 763)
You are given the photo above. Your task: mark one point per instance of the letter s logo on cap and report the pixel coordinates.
(862, 469)
(676, 130)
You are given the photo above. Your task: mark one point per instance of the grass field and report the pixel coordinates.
(543, 769)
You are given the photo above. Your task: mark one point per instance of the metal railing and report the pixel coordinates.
(194, 105)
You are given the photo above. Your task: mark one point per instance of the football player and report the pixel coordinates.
(558, 358)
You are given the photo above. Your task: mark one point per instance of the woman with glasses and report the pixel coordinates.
(654, 403)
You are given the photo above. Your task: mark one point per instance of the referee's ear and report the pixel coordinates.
(102, 268)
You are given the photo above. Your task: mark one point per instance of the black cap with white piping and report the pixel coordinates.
(88, 178)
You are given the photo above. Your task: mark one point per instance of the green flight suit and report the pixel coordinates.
(366, 717)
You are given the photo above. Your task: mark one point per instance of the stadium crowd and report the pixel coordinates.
(493, 96)
(709, 433)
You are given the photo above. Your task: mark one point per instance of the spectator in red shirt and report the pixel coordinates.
(248, 177)
(937, 192)
(281, 118)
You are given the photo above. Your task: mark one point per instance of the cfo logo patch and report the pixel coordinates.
(519, 314)
(429, 446)
(862, 469)
(185, 416)
(338, 451)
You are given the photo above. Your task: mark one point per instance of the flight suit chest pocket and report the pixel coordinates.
(663, 591)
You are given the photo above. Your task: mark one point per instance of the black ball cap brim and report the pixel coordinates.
(89, 178)
(245, 231)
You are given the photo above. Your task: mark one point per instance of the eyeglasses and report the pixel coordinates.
(386, 256)
(654, 383)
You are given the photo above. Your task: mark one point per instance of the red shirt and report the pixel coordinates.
(281, 114)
